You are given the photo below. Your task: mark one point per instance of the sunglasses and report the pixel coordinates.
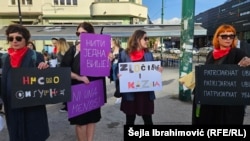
(78, 33)
(17, 38)
(224, 37)
(145, 38)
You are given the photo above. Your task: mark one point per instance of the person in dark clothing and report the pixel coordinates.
(224, 52)
(28, 123)
(1, 104)
(38, 55)
(62, 47)
(116, 49)
(85, 123)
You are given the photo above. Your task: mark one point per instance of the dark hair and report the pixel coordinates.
(17, 28)
(133, 41)
(30, 42)
(62, 39)
(54, 38)
(87, 26)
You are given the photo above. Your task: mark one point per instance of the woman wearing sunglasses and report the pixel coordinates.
(29, 123)
(224, 52)
(85, 123)
(137, 103)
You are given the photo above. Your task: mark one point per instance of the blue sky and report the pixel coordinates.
(172, 9)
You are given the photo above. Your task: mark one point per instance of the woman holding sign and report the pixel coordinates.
(86, 122)
(26, 123)
(224, 52)
(137, 103)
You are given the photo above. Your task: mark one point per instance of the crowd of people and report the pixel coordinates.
(19, 121)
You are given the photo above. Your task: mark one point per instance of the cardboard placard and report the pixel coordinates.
(95, 49)
(222, 85)
(140, 76)
(31, 86)
(86, 97)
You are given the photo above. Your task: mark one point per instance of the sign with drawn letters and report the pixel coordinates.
(85, 97)
(140, 76)
(31, 86)
(95, 49)
(222, 85)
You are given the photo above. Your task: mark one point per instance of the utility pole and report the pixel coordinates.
(19, 12)
(162, 16)
(187, 40)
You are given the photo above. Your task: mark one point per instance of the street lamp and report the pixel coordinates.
(19, 12)
(162, 13)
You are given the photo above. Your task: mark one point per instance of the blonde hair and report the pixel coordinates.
(116, 42)
(62, 46)
(221, 29)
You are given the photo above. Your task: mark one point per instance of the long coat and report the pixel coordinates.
(220, 114)
(24, 124)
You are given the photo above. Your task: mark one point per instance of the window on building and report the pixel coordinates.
(107, 0)
(56, 2)
(65, 2)
(74, 2)
(22, 2)
(13, 2)
(62, 2)
(27, 2)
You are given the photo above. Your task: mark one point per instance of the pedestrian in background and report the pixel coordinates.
(138, 103)
(62, 48)
(1, 102)
(85, 124)
(115, 50)
(38, 55)
(54, 41)
(28, 123)
(53, 62)
(224, 52)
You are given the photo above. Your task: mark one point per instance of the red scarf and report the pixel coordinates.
(16, 56)
(55, 50)
(137, 55)
(218, 53)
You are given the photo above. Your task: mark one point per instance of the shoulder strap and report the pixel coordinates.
(3, 57)
(34, 58)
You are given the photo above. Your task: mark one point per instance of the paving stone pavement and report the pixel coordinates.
(169, 110)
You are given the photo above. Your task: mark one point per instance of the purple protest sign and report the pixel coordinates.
(85, 97)
(95, 49)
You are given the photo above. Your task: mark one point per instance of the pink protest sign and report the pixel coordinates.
(85, 97)
(95, 49)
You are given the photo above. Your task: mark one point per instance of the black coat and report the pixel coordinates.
(73, 61)
(220, 114)
(28, 123)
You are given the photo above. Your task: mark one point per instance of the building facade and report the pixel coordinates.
(44, 12)
(70, 12)
(235, 12)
